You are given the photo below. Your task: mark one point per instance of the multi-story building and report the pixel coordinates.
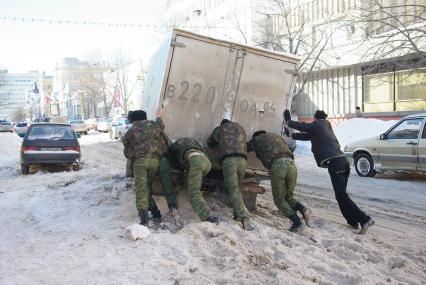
(355, 66)
(223, 19)
(368, 61)
(77, 88)
(17, 93)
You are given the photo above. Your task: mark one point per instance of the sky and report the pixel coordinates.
(38, 46)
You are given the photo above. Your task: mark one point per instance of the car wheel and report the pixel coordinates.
(120, 136)
(364, 165)
(25, 169)
(76, 167)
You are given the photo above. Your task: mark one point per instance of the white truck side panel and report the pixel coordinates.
(155, 77)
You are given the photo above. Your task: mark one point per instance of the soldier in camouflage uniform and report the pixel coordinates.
(276, 156)
(188, 155)
(230, 140)
(144, 144)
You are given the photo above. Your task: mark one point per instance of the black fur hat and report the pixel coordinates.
(320, 114)
(139, 115)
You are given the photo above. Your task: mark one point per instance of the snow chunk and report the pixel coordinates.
(136, 231)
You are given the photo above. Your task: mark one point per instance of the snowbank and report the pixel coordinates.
(9, 155)
(360, 128)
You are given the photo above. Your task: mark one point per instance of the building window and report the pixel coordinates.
(411, 86)
(378, 88)
(395, 91)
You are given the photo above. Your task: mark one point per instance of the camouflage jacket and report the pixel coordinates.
(145, 139)
(230, 138)
(180, 148)
(268, 147)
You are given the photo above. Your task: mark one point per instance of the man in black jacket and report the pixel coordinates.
(327, 153)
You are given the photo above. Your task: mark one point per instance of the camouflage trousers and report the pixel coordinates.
(144, 170)
(234, 169)
(199, 166)
(283, 181)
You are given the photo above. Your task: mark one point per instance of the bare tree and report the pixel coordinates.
(282, 27)
(18, 114)
(393, 29)
(91, 84)
(123, 85)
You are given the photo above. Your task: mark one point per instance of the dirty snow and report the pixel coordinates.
(69, 228)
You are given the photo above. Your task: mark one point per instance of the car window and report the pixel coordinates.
(408, 129)
(51, 132)
(21, 124)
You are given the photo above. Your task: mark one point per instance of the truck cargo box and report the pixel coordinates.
(201, 80)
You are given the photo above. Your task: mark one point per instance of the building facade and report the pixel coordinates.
(353, 68)
(78, 88)
(18, 95)
(222, 19)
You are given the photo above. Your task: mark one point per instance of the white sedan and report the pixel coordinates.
(402, 147)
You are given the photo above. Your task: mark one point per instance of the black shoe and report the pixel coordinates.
(354, 225)
(144, 216)
(247, 224)
(297, 226)
(364, 227)
(156, 216)
(213, 219)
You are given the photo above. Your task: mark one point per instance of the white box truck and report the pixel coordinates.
(201, 80)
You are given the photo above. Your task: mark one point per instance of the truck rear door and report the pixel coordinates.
(194, 87)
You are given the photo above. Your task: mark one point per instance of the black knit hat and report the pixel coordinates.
(320, 114)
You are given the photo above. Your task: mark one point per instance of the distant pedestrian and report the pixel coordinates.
(327, 153)
(358, 113)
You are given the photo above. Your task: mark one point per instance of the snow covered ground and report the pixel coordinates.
(68, 228)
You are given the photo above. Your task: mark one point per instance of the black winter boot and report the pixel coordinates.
(297, 226)
(247, 224)
(306, 212)
(156, 216)
(213, 219)
(144, 216)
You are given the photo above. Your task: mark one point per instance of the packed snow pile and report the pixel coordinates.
(352, 130)
(69, 228)
(136, 231)
(9, 155)
(360, 128)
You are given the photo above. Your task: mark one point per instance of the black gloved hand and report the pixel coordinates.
(287, 115)
(287, 131)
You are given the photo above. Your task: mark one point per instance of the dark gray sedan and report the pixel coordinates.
(50, 144)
